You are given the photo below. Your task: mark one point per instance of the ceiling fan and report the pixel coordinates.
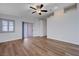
(38, 9)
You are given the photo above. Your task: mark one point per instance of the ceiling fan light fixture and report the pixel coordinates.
(38, 9)
(39, 13)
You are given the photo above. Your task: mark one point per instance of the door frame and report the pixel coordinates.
(23, 28)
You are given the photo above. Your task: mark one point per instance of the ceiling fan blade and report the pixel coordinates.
(39, 13)
(33, 12)
(43, 10)
(33, 8)
(41, 5)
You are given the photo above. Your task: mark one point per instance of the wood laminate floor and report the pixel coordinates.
(39, 46)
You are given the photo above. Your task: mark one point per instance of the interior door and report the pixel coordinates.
(28, 30)
(25, 30)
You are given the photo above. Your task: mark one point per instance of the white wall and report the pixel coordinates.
(18, 28)
(64, 28)
(36, 29)
(44, 27)
(40, 27)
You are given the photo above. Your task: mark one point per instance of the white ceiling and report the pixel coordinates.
(23, 10)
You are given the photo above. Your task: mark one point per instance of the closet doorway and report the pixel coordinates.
(27, 30)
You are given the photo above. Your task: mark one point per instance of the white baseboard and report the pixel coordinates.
(76, 43)
(11, 39)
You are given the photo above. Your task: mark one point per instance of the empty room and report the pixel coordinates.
(39, 29)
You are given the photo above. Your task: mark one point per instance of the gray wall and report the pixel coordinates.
(64, 28)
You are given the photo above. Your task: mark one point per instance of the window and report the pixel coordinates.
(11, 26)
(6, 25)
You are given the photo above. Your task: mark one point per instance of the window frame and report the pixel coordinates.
(1, 31)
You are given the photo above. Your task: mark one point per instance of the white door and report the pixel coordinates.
(25, 30)
(28, 30)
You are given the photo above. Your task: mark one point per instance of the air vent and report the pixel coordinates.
(69, 8)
